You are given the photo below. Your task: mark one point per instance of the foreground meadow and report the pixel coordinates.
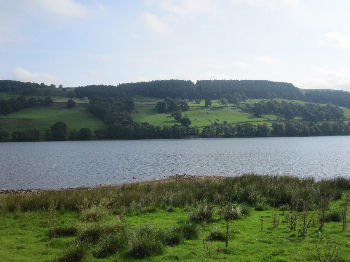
(248, 218)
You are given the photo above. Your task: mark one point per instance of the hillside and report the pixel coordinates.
(201, 116)
(42, 118)
(202, 109)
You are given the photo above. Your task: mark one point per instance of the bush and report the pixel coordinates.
(63, 231)
(93, 214)
(334, 216)
(203, 213)
(232, 212)
(145, 242)
(261, 207)
(190, 230)
(92, 233)
(111, 243)
(217, 235)
(172, 236)
(74, 253)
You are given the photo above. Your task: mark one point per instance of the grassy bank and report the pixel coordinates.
(248, 218)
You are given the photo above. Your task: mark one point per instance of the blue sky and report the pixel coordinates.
(76, 42)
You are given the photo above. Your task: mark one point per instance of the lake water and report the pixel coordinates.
(73, 164)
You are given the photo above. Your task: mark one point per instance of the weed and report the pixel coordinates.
(217, 235)
(203, 213)
(334, 216)
(92, 233)
(74, 253)
(145, 242)
(172, 236)
(189, 230)
(111, 244)
(63, 231)
(93, 214)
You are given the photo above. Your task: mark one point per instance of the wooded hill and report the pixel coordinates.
(170, 109)
(184, 89)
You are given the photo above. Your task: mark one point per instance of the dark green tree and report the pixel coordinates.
(59, 131)
(84, 134)
(71, 103)
(185, 121)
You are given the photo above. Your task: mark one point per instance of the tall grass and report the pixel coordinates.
(251, 189)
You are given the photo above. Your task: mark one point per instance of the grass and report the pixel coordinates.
(198, 114)
(201, 116)
(43, 117)
(152, 219)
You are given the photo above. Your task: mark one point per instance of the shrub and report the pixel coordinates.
(203, 213)
(172, 236)
(93, 214)
(189, 230)
(334, 216)
(261, 207)
(63, 231)
(92, 233)
(145, 242)
(74, 253)
(111, 243)
(217, 235)
(232, 212)
(245, 210)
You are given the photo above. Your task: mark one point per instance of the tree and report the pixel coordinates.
(207, 102)
(185, 121)
(70, 103)
(161, 107)
(84, 134)
(59, 131)
(224, 101)
(3, 134)
(177, 115)
(183, 106)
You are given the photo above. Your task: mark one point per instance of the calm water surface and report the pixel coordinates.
(73, 164)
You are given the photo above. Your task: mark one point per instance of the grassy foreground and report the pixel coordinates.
(248, 218)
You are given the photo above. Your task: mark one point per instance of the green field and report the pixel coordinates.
(262, 234)
(43, 117)
(201, 116)
(198, 114)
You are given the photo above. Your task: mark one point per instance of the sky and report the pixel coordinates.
(80, 42)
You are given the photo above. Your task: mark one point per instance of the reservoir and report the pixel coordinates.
(53, 165)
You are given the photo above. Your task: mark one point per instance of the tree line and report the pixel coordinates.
(290, 110)
(11, 105)
(287, 128)
(184, 89)
(59, 131)
(216, 89)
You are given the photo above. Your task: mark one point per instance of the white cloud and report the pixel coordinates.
(185, 7)
(268, 60)
(63, 8)
(269, 3)
(325, 78)
(337, 39)
(153, 23)
(14, 14)
(22, 74)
